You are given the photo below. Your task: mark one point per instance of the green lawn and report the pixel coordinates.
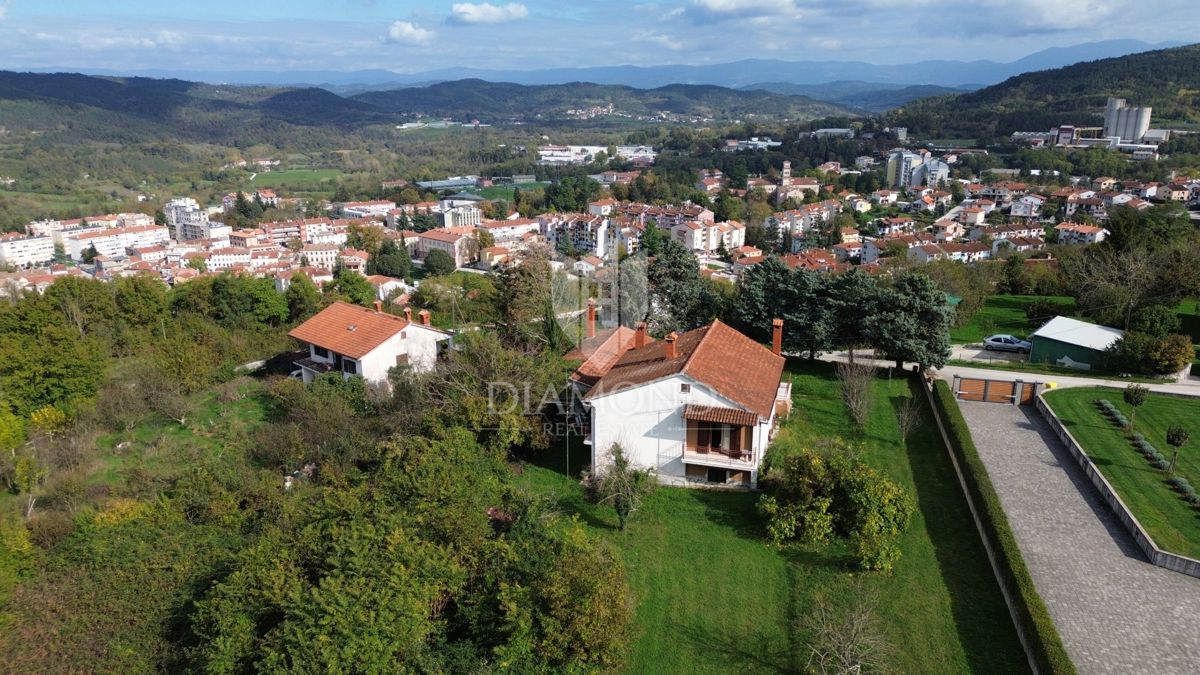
(294, 179)
(1171, 522)
(713, 597)
(1049, 370)
(1005, 314)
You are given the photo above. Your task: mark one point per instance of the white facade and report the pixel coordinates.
(186, 218)
(416, 345)
(19, 250)
(112, 243)
(647, 422)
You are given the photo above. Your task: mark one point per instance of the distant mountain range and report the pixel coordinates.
(740, 74)
(136, 108)
(869, 96)
(505, 101)
(1168, 80)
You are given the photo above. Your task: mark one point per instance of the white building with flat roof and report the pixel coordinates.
(19, 250)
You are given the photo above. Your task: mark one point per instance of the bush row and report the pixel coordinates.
(1043, 637)
(1149, 452)
(1112, 412)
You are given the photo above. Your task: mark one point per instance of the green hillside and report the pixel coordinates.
(1167, 80)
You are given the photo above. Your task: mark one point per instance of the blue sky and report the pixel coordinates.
(130, 35)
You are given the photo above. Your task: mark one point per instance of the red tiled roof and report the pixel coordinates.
(735, 366)
(348, 329)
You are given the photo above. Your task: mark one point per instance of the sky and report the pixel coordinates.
(407, 37)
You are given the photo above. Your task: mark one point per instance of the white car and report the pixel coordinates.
(1006, 343)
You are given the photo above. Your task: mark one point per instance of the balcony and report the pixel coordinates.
(719, 457)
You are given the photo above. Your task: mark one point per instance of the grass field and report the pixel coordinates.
(1171, 522)
(295, 179)
(713, 597)
(1004, 314)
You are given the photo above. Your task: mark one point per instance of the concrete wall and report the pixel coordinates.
(1171, 561)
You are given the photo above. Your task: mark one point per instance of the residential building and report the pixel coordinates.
(1076, 234)
(696, 408)
(19, 250)
(323, 256)
(113, 242)
(185, 217)
(367, 343)
(459, 245)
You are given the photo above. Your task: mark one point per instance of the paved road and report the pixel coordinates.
(1191, 386)
(1116, 612)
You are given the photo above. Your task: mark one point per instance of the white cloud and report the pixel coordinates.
(664, 40)
(409, 33)
(740, 9)
(485, 12)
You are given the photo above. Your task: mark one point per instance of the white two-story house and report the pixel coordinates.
(357, 341)
(696, 408)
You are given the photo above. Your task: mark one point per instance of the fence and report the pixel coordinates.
(1016, 392)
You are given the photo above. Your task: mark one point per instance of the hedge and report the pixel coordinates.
(1043, 639)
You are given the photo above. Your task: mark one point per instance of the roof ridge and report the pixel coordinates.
(699, 345)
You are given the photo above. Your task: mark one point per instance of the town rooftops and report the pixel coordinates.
(349, 330)
(1079, 333)
(736, 367)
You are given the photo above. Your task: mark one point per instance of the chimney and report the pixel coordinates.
(378, 306)
(591, 317)
(777, 337)
(672, 352)
(408, 314)
(639, 335)
(424, 314)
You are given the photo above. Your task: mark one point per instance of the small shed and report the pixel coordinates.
(1072, 343)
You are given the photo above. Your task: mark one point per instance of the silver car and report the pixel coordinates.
(1006, 343)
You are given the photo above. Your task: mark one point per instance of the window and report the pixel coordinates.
(685, 388)
(403, 335)
(321, 352)
(350, 366)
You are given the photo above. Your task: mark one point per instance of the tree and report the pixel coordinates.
(392, 260)
(439, 263)
(12, 430)
(141, 299)
(1016, 279)
(623, 485)
(303, 298)
(845, 636)
(28, 475)
(1135, 396)
(1177, 437)
(89, 254)
(485, 238)
(855, 380)
(351, 287)
(911, 322)
(679, 299)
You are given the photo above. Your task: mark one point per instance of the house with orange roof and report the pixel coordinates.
(697, 408)
(367, 342)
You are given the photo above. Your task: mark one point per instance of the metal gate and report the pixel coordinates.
(995, 391)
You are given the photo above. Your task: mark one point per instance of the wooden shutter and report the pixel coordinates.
(735, 440)
(702, 435)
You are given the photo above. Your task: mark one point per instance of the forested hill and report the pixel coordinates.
(125, 109)
(1167, 79)
(504, 101)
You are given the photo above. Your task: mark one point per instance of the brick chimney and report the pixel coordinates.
(777, 337)
(408, 314)
(425, 316)
(591, 317)
(672, 352)
(379, 307)
(639, 335)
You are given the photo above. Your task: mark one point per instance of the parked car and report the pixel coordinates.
(1006, 343)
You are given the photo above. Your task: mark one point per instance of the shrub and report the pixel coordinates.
(810, 496)
(1161, 463)
(50, 527)
(1044, 641)
(1137, 438)
(1180, 483)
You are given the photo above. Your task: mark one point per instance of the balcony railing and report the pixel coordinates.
(718, 456)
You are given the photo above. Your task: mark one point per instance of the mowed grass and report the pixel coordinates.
(1005, 314)
(714, 597)
(294, 179)
(1171, 522)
